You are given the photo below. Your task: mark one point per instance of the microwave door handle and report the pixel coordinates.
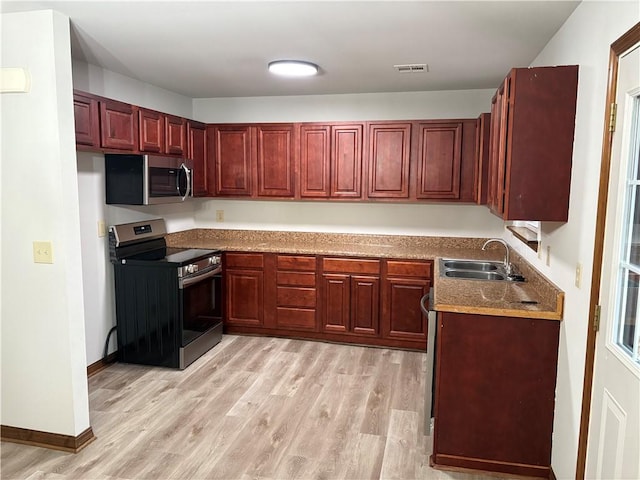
(187, 174)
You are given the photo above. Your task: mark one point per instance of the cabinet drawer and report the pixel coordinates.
(246, 260)
(296, 318)
(351, 265)
(290, 262)
(408, 269)
(297, 279)
(296, 297)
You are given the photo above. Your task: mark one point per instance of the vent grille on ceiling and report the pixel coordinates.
(412, 68)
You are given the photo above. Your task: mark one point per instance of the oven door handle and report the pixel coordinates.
(185, 282)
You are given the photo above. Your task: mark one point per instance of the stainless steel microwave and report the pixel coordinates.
(147, 179)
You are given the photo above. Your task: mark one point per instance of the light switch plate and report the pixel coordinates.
(102, 228)
(42, 252)
(219, 215)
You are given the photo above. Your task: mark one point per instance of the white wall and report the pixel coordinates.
(44, 380)
(92, 79)
(585, 40)
(399, 219)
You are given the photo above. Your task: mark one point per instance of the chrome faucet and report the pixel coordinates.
(507, 263)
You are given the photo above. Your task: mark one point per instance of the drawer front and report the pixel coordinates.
(351, 265)
(296, 318)
(408, 269)
(296, 297)
(244, 260)
(297, 279)
(291, 262)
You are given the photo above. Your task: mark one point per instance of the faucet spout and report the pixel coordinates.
(507, 263)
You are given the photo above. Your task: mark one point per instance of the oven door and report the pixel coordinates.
(201, 307)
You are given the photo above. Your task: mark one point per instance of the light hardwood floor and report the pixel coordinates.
(252, 408)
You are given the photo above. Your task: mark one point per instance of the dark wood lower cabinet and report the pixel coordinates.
(495, 393)
(326, 298)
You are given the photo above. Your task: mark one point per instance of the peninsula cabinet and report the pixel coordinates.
(389, 155)
(197, 151)
(330, 160)
(404, 283)
(532, 130)
(350, 296)
(244, 289)
(495, 393)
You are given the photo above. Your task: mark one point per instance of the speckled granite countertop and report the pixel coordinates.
(451, 295)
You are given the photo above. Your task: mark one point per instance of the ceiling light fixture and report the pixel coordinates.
(293, 68)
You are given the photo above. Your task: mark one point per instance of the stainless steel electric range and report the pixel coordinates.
(168, 300)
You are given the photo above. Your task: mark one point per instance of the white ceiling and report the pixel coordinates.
(221, 49)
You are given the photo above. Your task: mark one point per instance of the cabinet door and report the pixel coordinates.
(365, 297)
(483, 139)
(346, 161)
(497, 150)
(401, 314)
(232, 159)
(275, 160)
(151, 130)
(389, 152)
(439, 158)
(175, 135)
(197, 151)
(336, 302)
(315, 154)
(86, 118)
(244, 297)
(118, 126)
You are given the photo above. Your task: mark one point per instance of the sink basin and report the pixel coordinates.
(475, 265)
(475, 275)
(476, 270)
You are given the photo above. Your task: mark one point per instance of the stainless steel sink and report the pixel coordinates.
(476, 265)
(475, 275)
(476, 270)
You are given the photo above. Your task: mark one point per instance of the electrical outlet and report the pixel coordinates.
(42, 252)
(578, 274)
(102, 228)
(219, 215)
(548, 255)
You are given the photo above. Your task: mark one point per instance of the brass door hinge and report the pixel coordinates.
(596, 319)
(612, 117)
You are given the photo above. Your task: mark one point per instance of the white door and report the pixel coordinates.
(613, 450)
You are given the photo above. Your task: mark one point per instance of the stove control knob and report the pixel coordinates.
(214, 260)
(192, 268)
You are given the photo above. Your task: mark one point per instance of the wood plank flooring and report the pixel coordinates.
(252, 408)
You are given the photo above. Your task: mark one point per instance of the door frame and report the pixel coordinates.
(621, 45)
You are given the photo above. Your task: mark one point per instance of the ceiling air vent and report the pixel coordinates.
(412, 68)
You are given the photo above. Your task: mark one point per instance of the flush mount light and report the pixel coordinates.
(293, 68)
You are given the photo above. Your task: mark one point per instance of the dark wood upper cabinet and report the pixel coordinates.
(483, 138)
(346, 161)
(87, 124)
(197, 151)
(315, 161)
(439, 160)
(118, 125)
(230, 155)
(175, 135)
(531, 146)
(388, 160)
(151, 124)
(275, 160)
